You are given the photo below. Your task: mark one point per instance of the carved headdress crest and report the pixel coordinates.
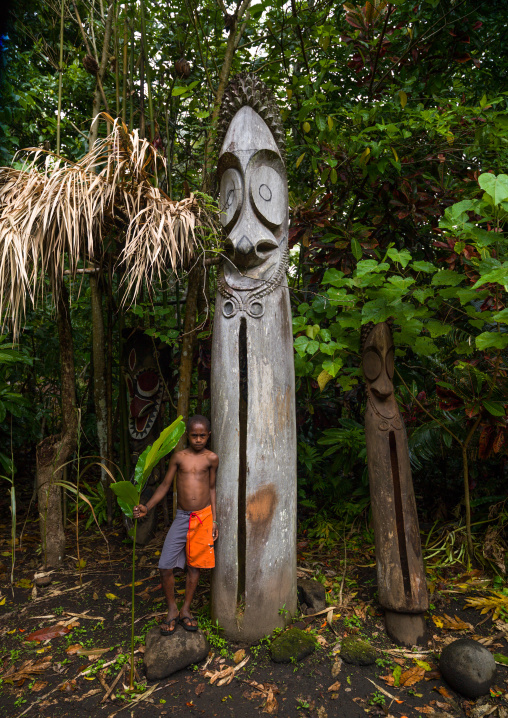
(247, 89)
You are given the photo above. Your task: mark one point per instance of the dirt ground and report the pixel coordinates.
(73, 674)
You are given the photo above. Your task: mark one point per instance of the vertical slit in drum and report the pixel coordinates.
(399, 515)
(242, 467)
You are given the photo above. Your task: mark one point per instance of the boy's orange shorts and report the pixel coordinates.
(199, 548)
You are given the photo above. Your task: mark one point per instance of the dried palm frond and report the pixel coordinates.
(497, 602)
(54, 214)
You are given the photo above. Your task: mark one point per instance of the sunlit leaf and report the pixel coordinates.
(127, 496)
(495, 186)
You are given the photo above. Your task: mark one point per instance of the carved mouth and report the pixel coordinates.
(245, 254)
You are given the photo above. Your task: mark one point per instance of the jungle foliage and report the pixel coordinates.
(397, 144)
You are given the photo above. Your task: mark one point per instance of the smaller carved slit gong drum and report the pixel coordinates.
(400, 573)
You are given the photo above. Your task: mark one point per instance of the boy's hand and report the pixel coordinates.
(139, 511)
(215, 532)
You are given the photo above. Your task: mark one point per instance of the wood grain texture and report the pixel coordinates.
(270, 561)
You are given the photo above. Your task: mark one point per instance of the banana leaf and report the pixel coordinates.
(127, 496)
(166, 442)
(139, 470)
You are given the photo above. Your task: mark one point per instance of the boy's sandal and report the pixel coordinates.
(167, 628)
(187, 625)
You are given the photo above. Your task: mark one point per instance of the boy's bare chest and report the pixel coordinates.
(196, 467)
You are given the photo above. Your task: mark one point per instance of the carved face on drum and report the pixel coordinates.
(142, 364)
(377, 364)
(253, 201)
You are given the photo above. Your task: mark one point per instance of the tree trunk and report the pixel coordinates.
(97, 98)
(99, 384)
(188, 345)
(54, 451)
(234, 38)
(196, 274)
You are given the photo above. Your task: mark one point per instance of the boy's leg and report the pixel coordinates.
(168, 586)
(173, 556)
(189, 622)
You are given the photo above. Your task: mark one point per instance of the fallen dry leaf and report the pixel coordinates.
(412, 676)
(27, 670)
(444, 692)
(221, 677)
(91, 653)
(336, 668)
(433, 675)
(68, 686)
(271, 706)
(39, 685)
(46, 634)
(257, 686)
(199, 689)
(450, 623)
(71, 650)
(334, 687)
(321, 712)
(93, 692)
(443, 706)
(239, 655)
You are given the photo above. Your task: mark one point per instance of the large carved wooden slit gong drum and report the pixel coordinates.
(253, 405)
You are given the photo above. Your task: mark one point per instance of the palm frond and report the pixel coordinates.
(55, 213)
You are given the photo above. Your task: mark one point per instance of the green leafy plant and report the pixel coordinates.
(352, 622)
(96, 504)
(465, 344)
(302, 704)
(128, 495)
(377, 698)
(283, 611)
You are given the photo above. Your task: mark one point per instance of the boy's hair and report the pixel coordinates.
(198, 419)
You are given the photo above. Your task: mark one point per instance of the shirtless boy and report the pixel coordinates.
(194, 530)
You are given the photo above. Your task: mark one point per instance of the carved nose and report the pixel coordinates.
(244, 246)
(382, 387)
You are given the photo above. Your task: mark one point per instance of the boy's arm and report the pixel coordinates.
(213, 473)
(141, 510)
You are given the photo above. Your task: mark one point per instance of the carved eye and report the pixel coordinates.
(390, 363)
(268, 196)
(148, 383)
(132, 359)
(372, 364)
(230, 196)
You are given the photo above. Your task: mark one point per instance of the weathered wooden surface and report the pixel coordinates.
(253, 405)
(400, 572)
